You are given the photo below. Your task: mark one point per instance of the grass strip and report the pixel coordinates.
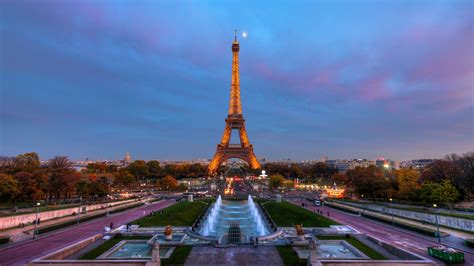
(290, 257)
(178, 257)
(181, 214)
(357, 244)
(287, 214)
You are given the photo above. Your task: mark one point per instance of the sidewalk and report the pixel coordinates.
(21, 233)
(449, 231)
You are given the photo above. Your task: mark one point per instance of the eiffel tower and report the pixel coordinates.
(236, 121)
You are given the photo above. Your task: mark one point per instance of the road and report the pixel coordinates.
(24, 253)
(398, 238)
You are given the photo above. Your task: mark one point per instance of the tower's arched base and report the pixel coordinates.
(225, 153)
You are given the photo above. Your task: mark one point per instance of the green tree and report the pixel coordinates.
(276, 181)
(154, 169)
(444, 192)
(138, 168)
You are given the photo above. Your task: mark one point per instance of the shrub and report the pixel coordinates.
(469, 243)
(4, 240)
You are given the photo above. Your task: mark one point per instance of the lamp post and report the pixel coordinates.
(36, 221)
(391, 211)
(363, 207)
(107, 207)
(437, 224)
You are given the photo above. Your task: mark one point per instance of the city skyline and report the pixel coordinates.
(84, 80)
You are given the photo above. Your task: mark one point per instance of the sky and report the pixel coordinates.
(343, 79)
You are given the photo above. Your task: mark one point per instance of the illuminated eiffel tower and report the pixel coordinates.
(236, 121)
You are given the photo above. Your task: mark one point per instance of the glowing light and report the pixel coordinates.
(244, 34)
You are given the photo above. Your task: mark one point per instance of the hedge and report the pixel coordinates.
(469, 243)
(4, 240)
(83, 219)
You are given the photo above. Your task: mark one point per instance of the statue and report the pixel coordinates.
(299, 232)
(168, 232)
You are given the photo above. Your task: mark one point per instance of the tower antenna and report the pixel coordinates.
(235, 35)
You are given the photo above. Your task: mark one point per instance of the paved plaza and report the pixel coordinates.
(241, 256)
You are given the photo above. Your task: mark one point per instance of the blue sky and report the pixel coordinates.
(342, 79)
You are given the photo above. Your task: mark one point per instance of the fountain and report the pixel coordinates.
(256, 216)
(211, 218)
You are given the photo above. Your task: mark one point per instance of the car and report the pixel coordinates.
(317, 203)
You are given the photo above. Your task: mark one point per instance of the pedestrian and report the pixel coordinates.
(328, 213)
(39, 220)
(144, 212)
(111, 225)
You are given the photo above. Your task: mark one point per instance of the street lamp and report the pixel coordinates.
(107, 207)
(437, 224)
(36, 221)
(391, 211)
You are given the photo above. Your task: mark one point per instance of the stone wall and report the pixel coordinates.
(448, 221)
(15, 220)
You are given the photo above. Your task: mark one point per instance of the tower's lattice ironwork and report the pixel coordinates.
(234, 120)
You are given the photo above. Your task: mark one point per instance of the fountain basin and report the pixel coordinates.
(332, 249)
(134, 249)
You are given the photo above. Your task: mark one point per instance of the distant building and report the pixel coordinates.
(127, 159)
(418, 164)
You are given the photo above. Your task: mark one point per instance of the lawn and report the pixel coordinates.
(93, 254)
(357, 244)
(178, 257)
(289, 256)
(181, 214)
(287, 214)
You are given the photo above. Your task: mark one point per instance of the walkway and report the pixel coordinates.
(238, 256)
(23, 233)
(409, 241)
(29, 250)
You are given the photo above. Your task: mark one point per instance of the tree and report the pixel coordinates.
(154, 169)
(408, 184)
(182, 187)
(32, 185)
(59, 168)
(465, 180)
(82, 188)
(138, 168)
(123, 179)
(9, 188)
(167, 183)
(276, 181)
(28, 162)
(369, 181)
(443, 192)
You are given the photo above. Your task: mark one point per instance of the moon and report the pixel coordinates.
(244, 34)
